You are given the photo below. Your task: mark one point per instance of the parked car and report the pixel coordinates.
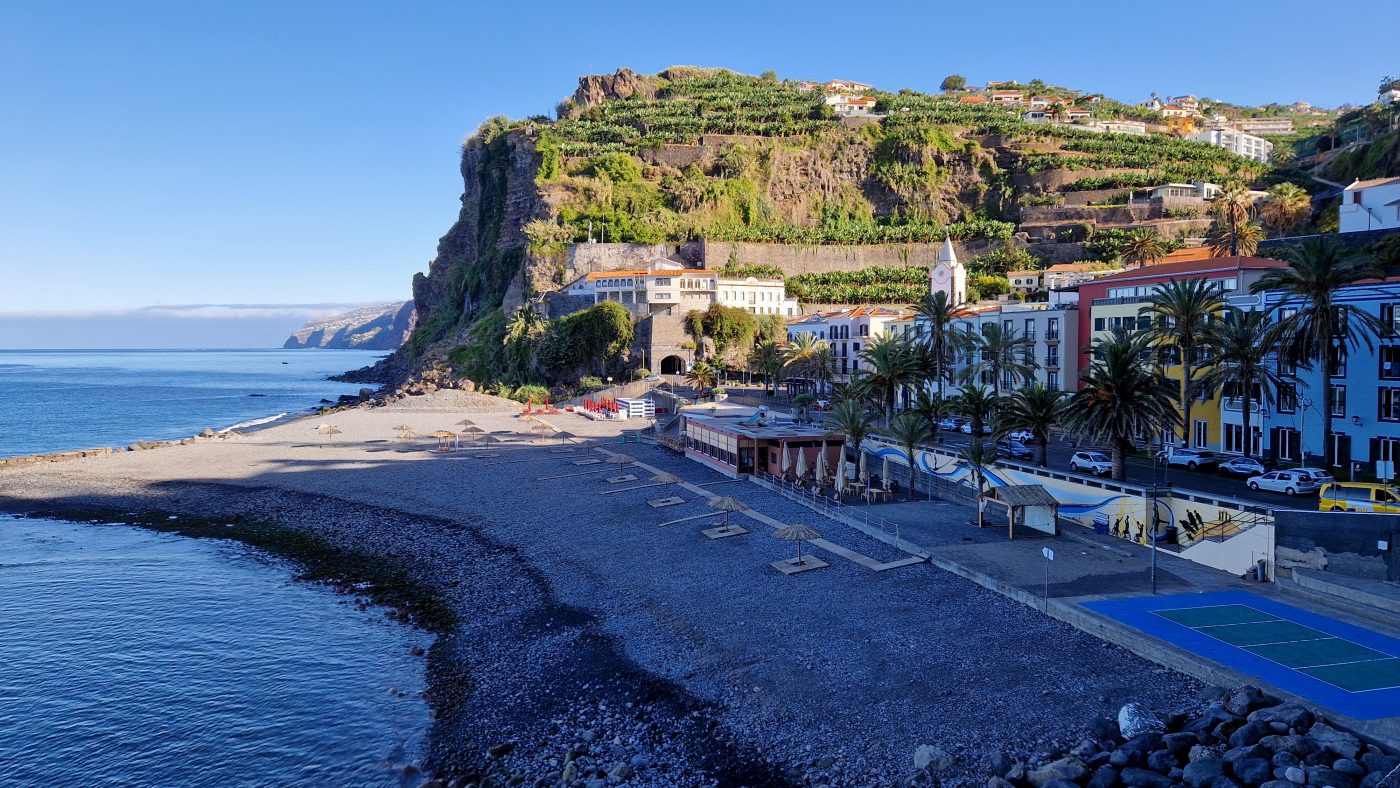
(822, 404)
(652, 378)
(966, 428)
(1014, 449)
(1286, 482)
(1091, 462)
(1322, 477)
(1358, 497)
(1242, 466)
(951, 423)
(1025, 436)
(1190, 458)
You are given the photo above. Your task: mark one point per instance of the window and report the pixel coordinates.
(1390, 362)
(1341, 449)
(1389, 318)
(1338, 357)
(1030, 328)
(1052, 328)
(865, 329)
(1388, 404)
(1052, 380)
(1356, 198)
(1006, 328)
(1287, 398)
(1288, 444)
(1052, 356)
(661, 296)
(1339, 401)
(1200, 431)
(1098, 324)
(664, 281)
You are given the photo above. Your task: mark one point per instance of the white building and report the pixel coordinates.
(948, 275)
(1246, 145)
(846, 86)
(847, 331)
(1198, 189)
(668, 286)
(1266, 125)
(1391, 96)
(844, 104)
(1024, 281)
(1062, 275)
(1123, 126)
(1053, 331)
(1370, 205)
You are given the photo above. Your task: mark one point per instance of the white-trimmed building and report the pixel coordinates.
(843, 104)
(668, 286)
(1370, 205)
(1246, 145)
(1265, 125)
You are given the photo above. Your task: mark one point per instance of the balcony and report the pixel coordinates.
(1118, 300)
(1052, 336)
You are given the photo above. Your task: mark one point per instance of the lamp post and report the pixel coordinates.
(1303, 405)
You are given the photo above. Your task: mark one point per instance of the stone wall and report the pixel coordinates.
(1338, 542)
(1102, 216)
(793, 259)
(659, 336)
(587, 258)
(1092, 195)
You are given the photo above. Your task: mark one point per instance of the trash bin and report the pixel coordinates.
(1261, 571)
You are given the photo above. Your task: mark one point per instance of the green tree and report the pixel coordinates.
(853, 419)
(941, 340)
(978, 454)
(978, 404)
(1286, 207)
(909, 430)
(953, 83)
(1321, 331)
(1004, 354)
(1243, 239)
(1120, 397)
(932, 408)
(1144, 247)
(1038, 410)
(1181, 311)
(1233, 208)
(701, 377)
(810, 358)
(1242, 345)
(889, 364)
(523, 330)
(767, 358)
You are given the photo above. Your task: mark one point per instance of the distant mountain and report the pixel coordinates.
(376, 327)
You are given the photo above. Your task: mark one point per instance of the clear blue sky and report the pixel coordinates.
(199, 152)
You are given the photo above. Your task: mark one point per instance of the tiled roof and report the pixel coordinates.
(1072, 268)
(1209, 266)
(1372, 182)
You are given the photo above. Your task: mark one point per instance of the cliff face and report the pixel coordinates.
(377, 327)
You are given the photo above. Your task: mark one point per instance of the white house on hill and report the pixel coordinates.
(1370, 205)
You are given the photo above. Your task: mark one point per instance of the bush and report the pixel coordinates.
(591, 383)
(640, 373)
(529, 392)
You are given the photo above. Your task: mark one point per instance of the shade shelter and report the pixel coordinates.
(328, 430)
(1028, 506)
(445, 439)
(727, 504)
(798, 533)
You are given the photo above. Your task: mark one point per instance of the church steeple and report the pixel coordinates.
(948, 275)
(947, 255)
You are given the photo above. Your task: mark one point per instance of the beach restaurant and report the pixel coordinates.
(754, 443)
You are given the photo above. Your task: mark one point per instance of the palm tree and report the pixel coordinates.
(767, 357)
(932, 408)
(819, 366)
(1037, 409)
(854, 420)
(909, 430)
(1285, 207)
(1320, 330)
(1144, 247)
(1002, 352)
(889, 363)
(1233, 207)
(978, 455)
(1120, 398)
(701, 376)
(1243, 239)
(940, 344)
(977, 404)
(809, 357)
(1241, 344)
(1181, 310)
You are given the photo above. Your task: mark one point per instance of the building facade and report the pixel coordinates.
(1246, 145)
(1370, 205)
(1054, 334)
(669, 287)
(847, 332)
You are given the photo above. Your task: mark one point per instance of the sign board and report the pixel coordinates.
(1048, 553)
(1382, 545)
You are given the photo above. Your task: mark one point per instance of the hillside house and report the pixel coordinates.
(1266, 125)
(845, 105)
(972, 99)
(1370, 205)
(1024, 281)
(1008, 97)
(1174, 111)
(807, 87)
(1077, 113)
(846, 86)
(1391, 96)
(1123, 126)
(668, 287)
(1246, 145)
(1188, 102)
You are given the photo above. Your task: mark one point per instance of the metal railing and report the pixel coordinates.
(834, 508)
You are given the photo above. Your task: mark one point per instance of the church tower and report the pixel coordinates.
(948, 275)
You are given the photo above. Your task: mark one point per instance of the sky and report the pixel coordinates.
(171, 153)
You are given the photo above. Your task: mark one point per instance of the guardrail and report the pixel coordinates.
(857, 517)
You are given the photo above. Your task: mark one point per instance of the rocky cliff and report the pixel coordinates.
(375, 327)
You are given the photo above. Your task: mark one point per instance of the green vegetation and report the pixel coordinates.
(874, 285)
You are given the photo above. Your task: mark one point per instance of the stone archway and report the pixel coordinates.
(673, 365)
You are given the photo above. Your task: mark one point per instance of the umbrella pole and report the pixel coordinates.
(799, 552)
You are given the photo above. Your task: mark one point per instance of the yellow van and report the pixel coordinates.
(1358, 497)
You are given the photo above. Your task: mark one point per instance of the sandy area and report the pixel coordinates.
(592, 629)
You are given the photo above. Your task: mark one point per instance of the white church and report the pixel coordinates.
(948, 275)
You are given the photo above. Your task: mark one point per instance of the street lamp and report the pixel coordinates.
(1304, 403)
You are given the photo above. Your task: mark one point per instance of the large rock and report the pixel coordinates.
(1200, 774)
(1250, 733)
(1321, 775)
(1294, 745)
(1339, 743)
(1104, 777)
(1103, 729)
(929, 757)
(1379, 762)
(1293, 715)
(1134, 720)
(1071, 769)
(1144, 778)
(376, 327)
(1252, 771)
(1240, 701)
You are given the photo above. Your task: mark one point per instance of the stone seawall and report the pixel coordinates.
(61, 456)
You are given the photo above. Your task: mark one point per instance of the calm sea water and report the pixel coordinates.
(129, 657)
(51, 400)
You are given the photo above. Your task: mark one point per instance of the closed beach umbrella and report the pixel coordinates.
(821, 465)
(801, 463)
(727, 504)
(787, 459)
(328, 430)
(841, 473)
(885, 471)
(861, 474)
(797, 533)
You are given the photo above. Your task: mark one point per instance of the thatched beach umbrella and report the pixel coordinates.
(445, 437)
(801, 463)
(797, 533)
(727, 504)
(621, 461)
(466, 423)
(405, 431)
(666, 478)
(328, 430)
(564, 436)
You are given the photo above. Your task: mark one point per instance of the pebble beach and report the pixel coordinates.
(589, 644)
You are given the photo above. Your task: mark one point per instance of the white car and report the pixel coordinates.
(966, 428)
(1091, 462)
(1286, 482)
(1025, 436)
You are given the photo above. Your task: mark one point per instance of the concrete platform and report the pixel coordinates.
(1378, 594)
(627, 477)
(724, 533)
(588, 462)
(791, 567)
(661, 502)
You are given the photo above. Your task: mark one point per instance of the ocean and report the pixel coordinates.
(130, 657)
(54, 400)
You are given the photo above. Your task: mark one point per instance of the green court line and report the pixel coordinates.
(1316, 653)
(1260, 632)
(1215, 615)
(1361, 676)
